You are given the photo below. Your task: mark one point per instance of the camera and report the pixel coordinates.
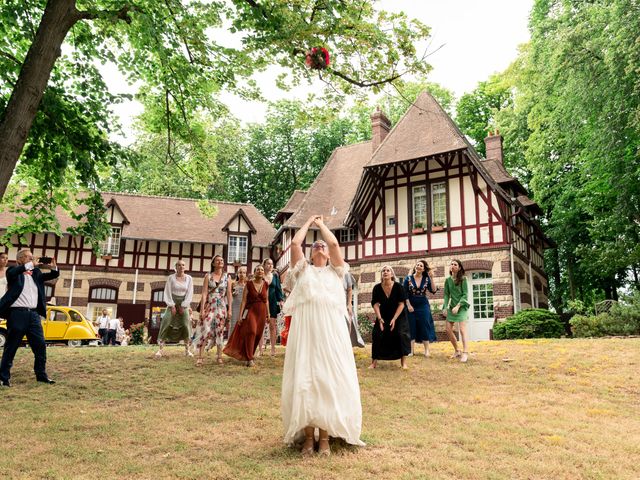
(45, 260)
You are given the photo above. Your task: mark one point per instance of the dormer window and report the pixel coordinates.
(111, 246)
(238, 247)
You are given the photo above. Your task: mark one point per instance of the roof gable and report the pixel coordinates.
(424, 130)
(113, 203)
(239, 213)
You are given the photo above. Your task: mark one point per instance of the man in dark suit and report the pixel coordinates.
(22, 306)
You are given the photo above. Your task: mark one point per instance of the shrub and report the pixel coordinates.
(531, 323)
(621, 319)
(365, 326)
(137, 334)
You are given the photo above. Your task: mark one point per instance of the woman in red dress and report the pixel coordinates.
(254, 313)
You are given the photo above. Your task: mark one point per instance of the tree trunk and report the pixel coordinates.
(58, 18)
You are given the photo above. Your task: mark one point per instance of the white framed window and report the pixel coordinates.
(482, 295)
(439, 204)
(238, 246)
(48, 291)
(157, 296)
(347, 235)
(103, 294)
(111, 246)
(420, 206)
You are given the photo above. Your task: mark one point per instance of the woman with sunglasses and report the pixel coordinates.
(319, 384)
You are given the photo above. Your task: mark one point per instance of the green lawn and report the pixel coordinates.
(558, 409)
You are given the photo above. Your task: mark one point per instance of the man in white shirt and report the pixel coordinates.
(112, 328)
(103, 325)
(22, 306)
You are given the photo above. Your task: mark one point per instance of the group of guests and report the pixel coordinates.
(242, 306)
(403, 314)
(111, 330)
(320, 391)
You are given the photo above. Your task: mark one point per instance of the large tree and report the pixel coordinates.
(54, 104)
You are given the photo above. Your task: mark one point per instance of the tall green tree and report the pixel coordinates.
(476, 111)
(283, 154)
(577, 86)
(54, 104)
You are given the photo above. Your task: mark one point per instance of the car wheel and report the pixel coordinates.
(3, 338)
(75, 343)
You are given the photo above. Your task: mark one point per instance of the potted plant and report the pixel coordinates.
(418, 227)
(437, 227)
(106, 257)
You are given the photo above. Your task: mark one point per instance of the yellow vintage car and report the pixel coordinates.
(62, 324)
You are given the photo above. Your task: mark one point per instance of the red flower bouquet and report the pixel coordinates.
(317, 58)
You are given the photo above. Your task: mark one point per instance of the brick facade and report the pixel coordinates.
(105, 282)
(76, 283)
(139, 287)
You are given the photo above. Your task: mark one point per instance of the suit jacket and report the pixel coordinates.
(15, 284)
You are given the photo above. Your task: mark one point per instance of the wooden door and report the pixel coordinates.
(131, 313)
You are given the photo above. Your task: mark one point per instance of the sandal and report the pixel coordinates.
(456, 355)
(219, 361)
(307, 451)
(199, 362)
(464, 357)
(324, 451)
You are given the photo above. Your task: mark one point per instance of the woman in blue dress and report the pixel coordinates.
(421, 324)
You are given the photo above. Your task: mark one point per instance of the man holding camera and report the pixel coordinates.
(22, 306)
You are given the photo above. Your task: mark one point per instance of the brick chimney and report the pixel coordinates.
(493, 144)
(380, 126)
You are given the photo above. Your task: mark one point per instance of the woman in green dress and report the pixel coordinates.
(455, 307)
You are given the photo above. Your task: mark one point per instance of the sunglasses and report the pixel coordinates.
(320, 246)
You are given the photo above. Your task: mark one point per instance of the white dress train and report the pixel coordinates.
(319, 383)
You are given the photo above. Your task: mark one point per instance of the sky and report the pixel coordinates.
(473, 38)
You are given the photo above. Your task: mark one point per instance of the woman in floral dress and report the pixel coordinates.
(215, 309)
(416, 286)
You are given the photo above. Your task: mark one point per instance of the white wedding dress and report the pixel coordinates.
(319, 383)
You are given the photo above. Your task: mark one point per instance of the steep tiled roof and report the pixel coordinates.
(175, 219)
(497, 171)
(294, 202)
(425, 130)
(334, 187)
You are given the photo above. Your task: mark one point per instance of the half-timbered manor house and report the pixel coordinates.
(148, 235)
(420, 190)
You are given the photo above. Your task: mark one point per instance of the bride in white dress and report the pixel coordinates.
(319, 384)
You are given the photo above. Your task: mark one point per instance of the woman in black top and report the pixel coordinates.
(276, 299)
(391, 340)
